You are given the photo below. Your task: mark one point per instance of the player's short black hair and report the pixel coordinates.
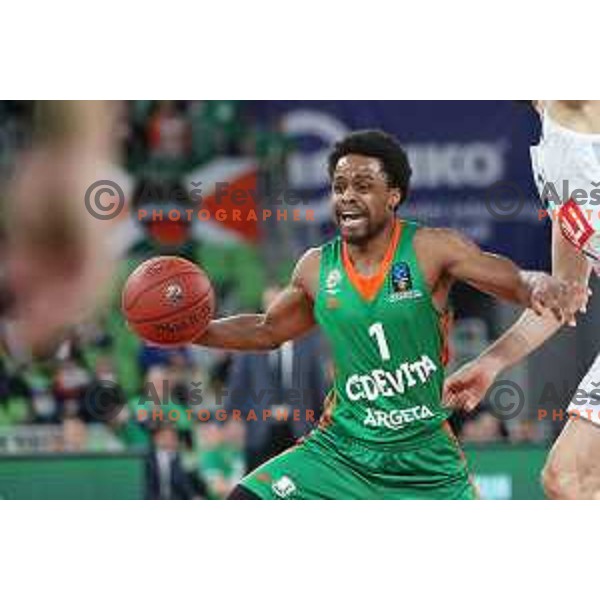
(377, 144)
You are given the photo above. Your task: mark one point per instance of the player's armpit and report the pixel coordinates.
(289, 316)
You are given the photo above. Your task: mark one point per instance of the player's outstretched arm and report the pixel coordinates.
(467, 387)
(289, 316)
(496, 275)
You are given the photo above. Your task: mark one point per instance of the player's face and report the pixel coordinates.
(363, 203)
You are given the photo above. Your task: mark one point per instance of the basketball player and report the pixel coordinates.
(379, 293)
(56, 261)
(569, 151)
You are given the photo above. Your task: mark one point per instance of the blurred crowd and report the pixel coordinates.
(168, 138)
(161, 142)
(182, 415)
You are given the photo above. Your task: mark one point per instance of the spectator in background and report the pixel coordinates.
(97, 407)
(168, 138)
(104, 369)
(14, 398)
(70, 384)
(287, 378)
(214, 393)
(151, 356)
(216, 127)
(44, 407)
(166, 479)
(483, 426)
(74, 435)
(130, 429)
(205, 139)
(168, 131)
(527, 431)
(222, 456)
(163, 401)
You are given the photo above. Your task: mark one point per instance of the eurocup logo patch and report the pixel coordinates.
(401, 278)
(334, 277)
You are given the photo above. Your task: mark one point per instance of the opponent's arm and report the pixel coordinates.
(496, 275)
(289, 316)
(532, 330)
(467, 387)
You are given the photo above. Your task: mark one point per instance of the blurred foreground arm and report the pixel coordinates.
(57, 258)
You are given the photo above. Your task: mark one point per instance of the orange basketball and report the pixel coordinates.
(168, 301)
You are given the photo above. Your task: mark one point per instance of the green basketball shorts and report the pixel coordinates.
(327, 466)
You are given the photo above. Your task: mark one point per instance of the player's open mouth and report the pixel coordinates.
(351, 218)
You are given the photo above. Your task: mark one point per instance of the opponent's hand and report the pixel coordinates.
(563, 298)
(466, 388)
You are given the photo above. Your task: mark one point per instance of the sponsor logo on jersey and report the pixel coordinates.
(397, 418)
(284, 487)
(380, 383)
(334, 277)
(401, 282)
(573, 224)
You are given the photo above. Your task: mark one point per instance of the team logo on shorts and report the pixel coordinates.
(401, 278)
(284, 487)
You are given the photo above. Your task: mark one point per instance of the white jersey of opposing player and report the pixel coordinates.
(571, 161)
(566, 167)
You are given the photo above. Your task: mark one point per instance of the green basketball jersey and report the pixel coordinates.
(388, 351)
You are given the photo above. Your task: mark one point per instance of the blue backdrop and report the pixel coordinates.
(466, 156)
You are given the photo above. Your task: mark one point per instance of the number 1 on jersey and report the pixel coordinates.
(376, 331)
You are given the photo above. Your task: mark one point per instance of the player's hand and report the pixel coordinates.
(563, 298)
(466, 388)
